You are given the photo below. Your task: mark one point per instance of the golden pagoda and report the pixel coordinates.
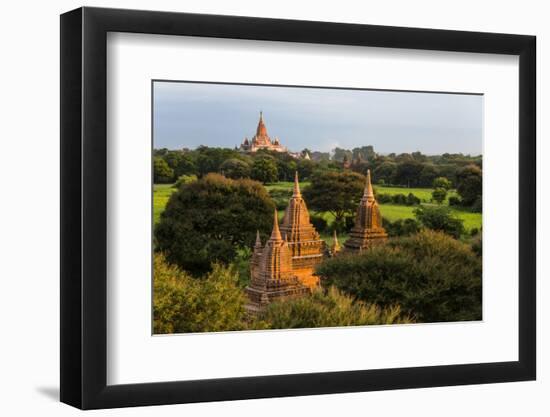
(304, 242)
(368, 230)
(272, 275)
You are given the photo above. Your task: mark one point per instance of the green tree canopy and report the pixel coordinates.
(162, 173)
(440, 219)
(338, 193)
(439, 195)
(208, 220)
(430, 275)
(469, 184)
(264, 169)
(183, 304)
(328, 309)
(235, 168)
(441, 182)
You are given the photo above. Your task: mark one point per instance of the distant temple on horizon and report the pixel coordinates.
(368, 230)
(261, 140)
(285, 266)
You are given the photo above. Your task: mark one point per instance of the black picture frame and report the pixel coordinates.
(84, 207)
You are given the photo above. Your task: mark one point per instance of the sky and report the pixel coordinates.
(187, 115)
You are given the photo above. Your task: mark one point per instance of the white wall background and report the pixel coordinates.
(29, 207)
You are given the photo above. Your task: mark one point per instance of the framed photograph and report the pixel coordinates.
(256, 208)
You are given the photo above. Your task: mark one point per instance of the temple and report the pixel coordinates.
(261, 140)
(368, 230)
(285, 266)
(304, 242)
(272, 275)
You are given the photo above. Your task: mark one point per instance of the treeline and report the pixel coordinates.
(406, 170)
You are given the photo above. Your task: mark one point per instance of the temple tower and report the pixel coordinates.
(335, 247)
(368, 230)
(304, 242)
(272, 277)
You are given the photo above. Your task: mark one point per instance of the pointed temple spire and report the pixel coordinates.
(296, 192)
(368, 193)
(335, 244)
(368, 230)
(258, 240)
(276, 233)
(261, 130)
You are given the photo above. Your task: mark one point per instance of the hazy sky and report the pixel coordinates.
(193, 114)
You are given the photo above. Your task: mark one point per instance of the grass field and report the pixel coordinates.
(391, 212)
(424, 194)
(161, 194)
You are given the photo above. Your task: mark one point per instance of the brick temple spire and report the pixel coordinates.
(303, 240)
(272, 274)
(296, 192)
(276, 233)
(368, 229)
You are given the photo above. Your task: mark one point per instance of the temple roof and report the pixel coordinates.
(276, 233)
(368, 193)
(261, 130)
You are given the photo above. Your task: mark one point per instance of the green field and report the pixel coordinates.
(391, 212)
(424, 194)
(161, 194)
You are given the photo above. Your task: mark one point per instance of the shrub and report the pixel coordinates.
(442, 182)
(469, 184)
(383, 198)
(440, 219)
(183, 304)
(401, 227)
(455, 201)
(328, 309)
(208, 220)
(430, 275)
(412, 200)
(184, 179)
(439, 195)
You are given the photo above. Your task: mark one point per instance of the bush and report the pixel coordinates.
(208, 220)
(442, 182)
(431, 276)
(412, 200)
(383, 198)
(184, 179)
(183, 304)
(477, 207)
(328, 309)
(440, 219)
(401, 227)
(235, 168)
(439, 195)
(455, 201)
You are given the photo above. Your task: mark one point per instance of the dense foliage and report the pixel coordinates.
(338, 193)
(328, 309)
(208, 220)
(430, 275)
(441, 219)
(183, 304)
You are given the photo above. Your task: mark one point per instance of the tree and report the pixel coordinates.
(441, 182)
(439, 195)
(162, 173)
(431, 276)
(209, 160)
(386, 172)
(235, 168)
(408, 173)
(328, 309)
(264, 169)
(338, 193)
(440, 219)
(183, 304)
(208, 220)
(469, 184)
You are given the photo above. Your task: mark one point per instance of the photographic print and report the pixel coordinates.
(288, 207)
